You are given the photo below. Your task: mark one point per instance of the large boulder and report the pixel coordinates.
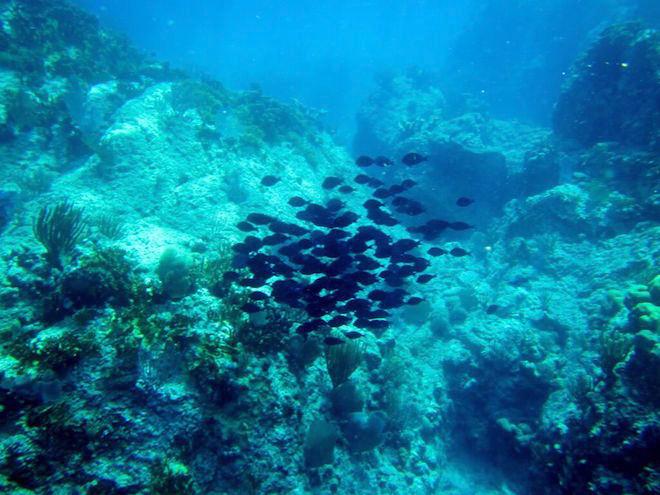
(613, 90)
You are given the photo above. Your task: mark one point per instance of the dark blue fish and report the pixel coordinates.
(297, 201)
(364, 161)
(403, 245)
(362, 179)
(332, 341)
(460, 226)
(257, 295)
(408, 183)
(382, 193)
(346, 189)
(289, 250)
(251, 308)
(492, 309)
(331, 182)
(339, 321)
(287, 292)
(421, 264)
(459, 252)
(383, 161)
(413, 159)
(312, 266)
(379, 217)
(241, 247)
(287, 228)
(372, 204)
(425, 278)
(245, 227)
(259, 218)
(396, 189)
(317, 215)
(252, 243)
(310, 326)
(366, 263)
(334, 204)
(338, 266)
(436, 251)
(306, 243)
(345, 220)
(374, 183)
(407, 206)
(358, 304)
(283, 270)
(430, 230)
(371, 324)
(394, 280)
(269, 180)
(463, 201)
(252, 282)
(362, 277)
(337, 234)
(413, 301)
(274, 239)
(373, 233)
(353, 334)
(376, 314)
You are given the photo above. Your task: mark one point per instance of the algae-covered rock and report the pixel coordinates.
(642, 368)
(175, 273)
(654, 290)
(646, 316)
(320, 444)
(364, 431)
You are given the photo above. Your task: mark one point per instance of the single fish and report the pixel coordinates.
(338, 321)
(332, 341)
(257, 295)
(364, 161)
(459, 252)
(463, 201)
(270, 180)
(245, 227)
(425, 278)
(297, 201)
(250, 307)
(331, 182)
(436, 251)
(353, 334)
(413, 159)
(492, 309)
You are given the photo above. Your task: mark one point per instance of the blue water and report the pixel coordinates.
(327, 55)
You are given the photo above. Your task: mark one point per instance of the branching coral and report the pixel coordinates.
(59, 228)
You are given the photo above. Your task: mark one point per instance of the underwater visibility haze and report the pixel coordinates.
(325, 248)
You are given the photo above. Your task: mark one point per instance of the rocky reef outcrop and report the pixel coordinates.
(612, 93)
(471, 152)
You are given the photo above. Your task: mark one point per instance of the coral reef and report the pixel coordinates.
(128, 363)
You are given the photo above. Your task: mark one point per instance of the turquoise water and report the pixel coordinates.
(314, 248)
